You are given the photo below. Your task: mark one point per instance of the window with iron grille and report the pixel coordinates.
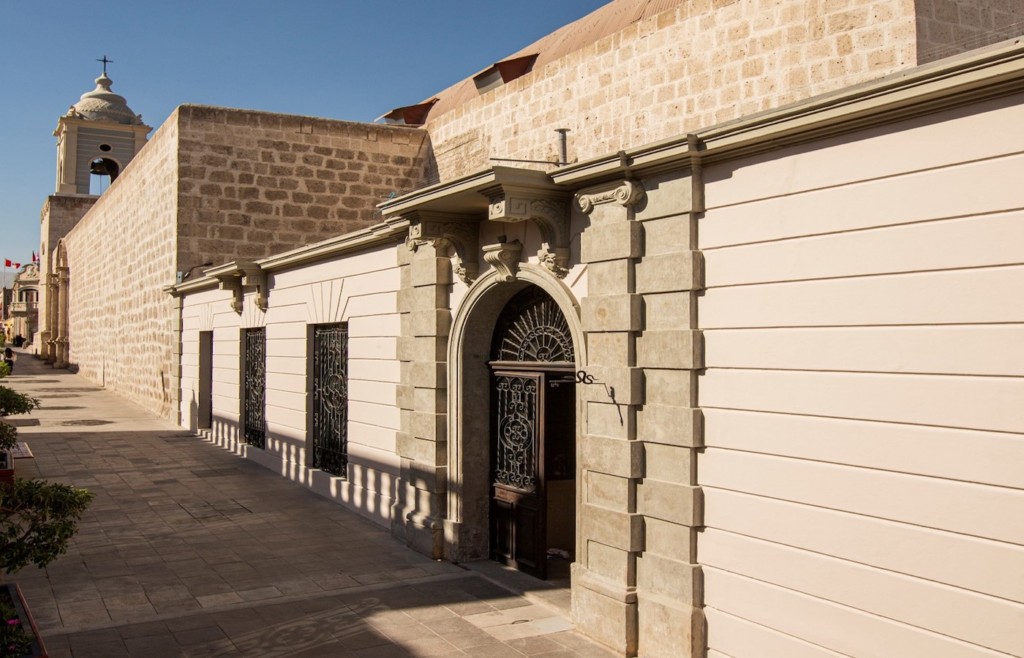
(329, 384)
(254, 353)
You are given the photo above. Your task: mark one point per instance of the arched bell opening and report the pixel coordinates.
(102, 172)
(513, 424)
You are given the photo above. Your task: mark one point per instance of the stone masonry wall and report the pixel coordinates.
(120, 255)
(253, 183)
(948, 27)
(703, 63)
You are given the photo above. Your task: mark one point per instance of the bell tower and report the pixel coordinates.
(96, 139)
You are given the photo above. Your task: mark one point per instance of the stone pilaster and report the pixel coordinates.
(611, 531)
(419, 509)
(669, 351)
(61, 341)
(49, 335)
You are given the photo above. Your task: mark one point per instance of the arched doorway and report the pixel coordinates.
(476, 526)
(533, 436)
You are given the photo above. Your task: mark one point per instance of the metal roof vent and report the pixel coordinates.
(503, 72)
(410, 115)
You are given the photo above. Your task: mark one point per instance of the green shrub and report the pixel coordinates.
(37, 520)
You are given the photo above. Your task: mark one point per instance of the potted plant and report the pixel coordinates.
(37, 521)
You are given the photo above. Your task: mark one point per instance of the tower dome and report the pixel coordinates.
(101, 104)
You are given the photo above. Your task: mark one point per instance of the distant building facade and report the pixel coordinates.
(745, 353)
(24, 304)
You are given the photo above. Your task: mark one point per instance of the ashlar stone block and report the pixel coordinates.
(611, 349)
(611, 491)
(669, 310)
(421, 475)
(682, 348)
(612, 384)
(668, 235)
(666, 195)
(612, 313)
(667, 538)
(669, 463)
(426, 374)
(669, 629)
(670, 387)
(680, 426)
(616, 421)
(434, 453)
(682, 270)
(680, 581)
(612, 456)
(430, 322)
(610, 277)
(611, 563)
(609, 620)
(671, 502)
(432, 400)
(428, 270)
(431, 426)
(612, 242)
(621, 530)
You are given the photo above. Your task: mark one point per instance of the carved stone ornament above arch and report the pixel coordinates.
(546, 208)
(441, 229)
(623, 192)
(504, 258)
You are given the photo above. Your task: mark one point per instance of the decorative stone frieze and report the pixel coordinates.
(462, 232)
(504, 258)
(546, 208)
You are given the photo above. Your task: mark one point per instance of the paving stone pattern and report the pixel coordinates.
(189, 550)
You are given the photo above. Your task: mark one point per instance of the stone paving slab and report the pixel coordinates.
(189, 550)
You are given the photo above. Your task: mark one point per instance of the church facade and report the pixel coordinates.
(740, 366)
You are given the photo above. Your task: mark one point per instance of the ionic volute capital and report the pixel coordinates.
(624, 193)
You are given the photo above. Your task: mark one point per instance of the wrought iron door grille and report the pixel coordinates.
(515, 458)
(254, 410)
(330, 398)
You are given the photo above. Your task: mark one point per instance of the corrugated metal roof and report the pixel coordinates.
(596, 25)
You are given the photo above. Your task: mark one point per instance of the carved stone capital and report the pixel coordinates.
(462, 232)
(547, 209)
(625, 193)
(504, 257)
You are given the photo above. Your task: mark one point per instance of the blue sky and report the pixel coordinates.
(342, 59)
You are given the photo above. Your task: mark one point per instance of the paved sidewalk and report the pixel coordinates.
(188, 550)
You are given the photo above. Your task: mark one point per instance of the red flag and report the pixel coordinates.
(17, 265)
(35, 257)
(7, 262)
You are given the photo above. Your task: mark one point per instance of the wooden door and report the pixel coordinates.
(517, 471)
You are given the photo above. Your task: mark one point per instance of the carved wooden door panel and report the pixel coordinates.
(517, 469)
